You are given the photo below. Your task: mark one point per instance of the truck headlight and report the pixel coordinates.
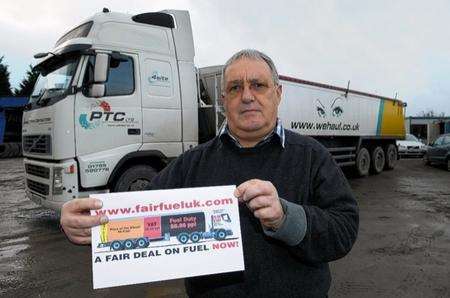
(57, 181)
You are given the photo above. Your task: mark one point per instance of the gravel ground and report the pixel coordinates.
(403, 248)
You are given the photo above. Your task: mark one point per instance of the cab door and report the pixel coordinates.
(111, 126)
(161, 103)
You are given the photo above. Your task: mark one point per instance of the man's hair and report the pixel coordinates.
(251, 54)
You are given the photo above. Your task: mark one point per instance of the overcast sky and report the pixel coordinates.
(383, 47)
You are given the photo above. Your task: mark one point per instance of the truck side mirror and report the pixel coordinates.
(101, 68)
(97, 90)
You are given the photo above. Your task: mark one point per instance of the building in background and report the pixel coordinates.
(11, 110)
(427, 129)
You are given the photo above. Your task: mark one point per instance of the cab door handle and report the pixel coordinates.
(134, 131)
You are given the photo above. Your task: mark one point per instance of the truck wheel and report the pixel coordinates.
(135, 178)
(362, 162)
(378, 160)
(183, 238)
(221, 235)
(5, 150)
(116, 245)
(128, 244)
(14, 150)
(391, 157)
(142, 243)
(20, 149)
(195, 237)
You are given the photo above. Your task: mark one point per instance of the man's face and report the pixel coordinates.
(250, 98)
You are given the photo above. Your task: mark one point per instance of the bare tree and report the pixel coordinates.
(430, 113)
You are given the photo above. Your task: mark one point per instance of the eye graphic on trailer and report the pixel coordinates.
(336, 109)
(321, 109)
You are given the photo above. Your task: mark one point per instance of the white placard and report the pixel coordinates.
(166, 234)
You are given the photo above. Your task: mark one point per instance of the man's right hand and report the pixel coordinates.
(77, 221)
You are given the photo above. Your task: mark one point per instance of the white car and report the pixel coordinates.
(411, 146)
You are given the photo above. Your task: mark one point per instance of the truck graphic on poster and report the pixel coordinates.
(138, 232)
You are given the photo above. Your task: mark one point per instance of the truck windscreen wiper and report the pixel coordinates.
(42, 101)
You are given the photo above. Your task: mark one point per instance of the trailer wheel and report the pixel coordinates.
(362, 162)
(135, 178)
(116, 245)
(195, 237)
(128, 244)
(391, 157)
(378, 160)
(221, 235)
(142, 243)
(183, 238)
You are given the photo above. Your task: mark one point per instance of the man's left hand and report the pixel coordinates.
(261, 197)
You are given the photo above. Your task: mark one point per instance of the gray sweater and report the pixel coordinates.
(321, 224)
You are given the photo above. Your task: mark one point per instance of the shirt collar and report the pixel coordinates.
(277, 131)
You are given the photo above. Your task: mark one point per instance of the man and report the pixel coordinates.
(297, 211)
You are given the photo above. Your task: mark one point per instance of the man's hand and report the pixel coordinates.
(262, 199)
(77, 221)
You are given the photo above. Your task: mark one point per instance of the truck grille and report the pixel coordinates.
(37, 171)
(38, 187)
(38, 144)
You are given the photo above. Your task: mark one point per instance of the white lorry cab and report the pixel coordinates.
(119, 96)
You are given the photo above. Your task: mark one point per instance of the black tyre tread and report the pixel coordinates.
(358, 156)
(387, 164)
(131, 174)
(373, 154)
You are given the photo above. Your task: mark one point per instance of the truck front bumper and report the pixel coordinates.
(39, 182)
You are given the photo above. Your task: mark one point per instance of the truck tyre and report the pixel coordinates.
(362, 162)
(142, 243)
(11, 150)
(116, 245)
(183, 238)
(3, 151)
(135, 178)
(221, 235)
(128, 244)
(16, 150)
(391, 157)
(195, 237)
(378, 160)
(6, 150)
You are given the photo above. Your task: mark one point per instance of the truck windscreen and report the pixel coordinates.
(54, 80)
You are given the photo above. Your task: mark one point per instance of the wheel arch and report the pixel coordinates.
(153, 158)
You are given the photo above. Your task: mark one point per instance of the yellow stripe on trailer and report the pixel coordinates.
(392, 120)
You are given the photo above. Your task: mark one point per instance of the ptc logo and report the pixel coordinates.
(96, 118)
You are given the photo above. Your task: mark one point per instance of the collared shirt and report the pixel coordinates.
(277, 131)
